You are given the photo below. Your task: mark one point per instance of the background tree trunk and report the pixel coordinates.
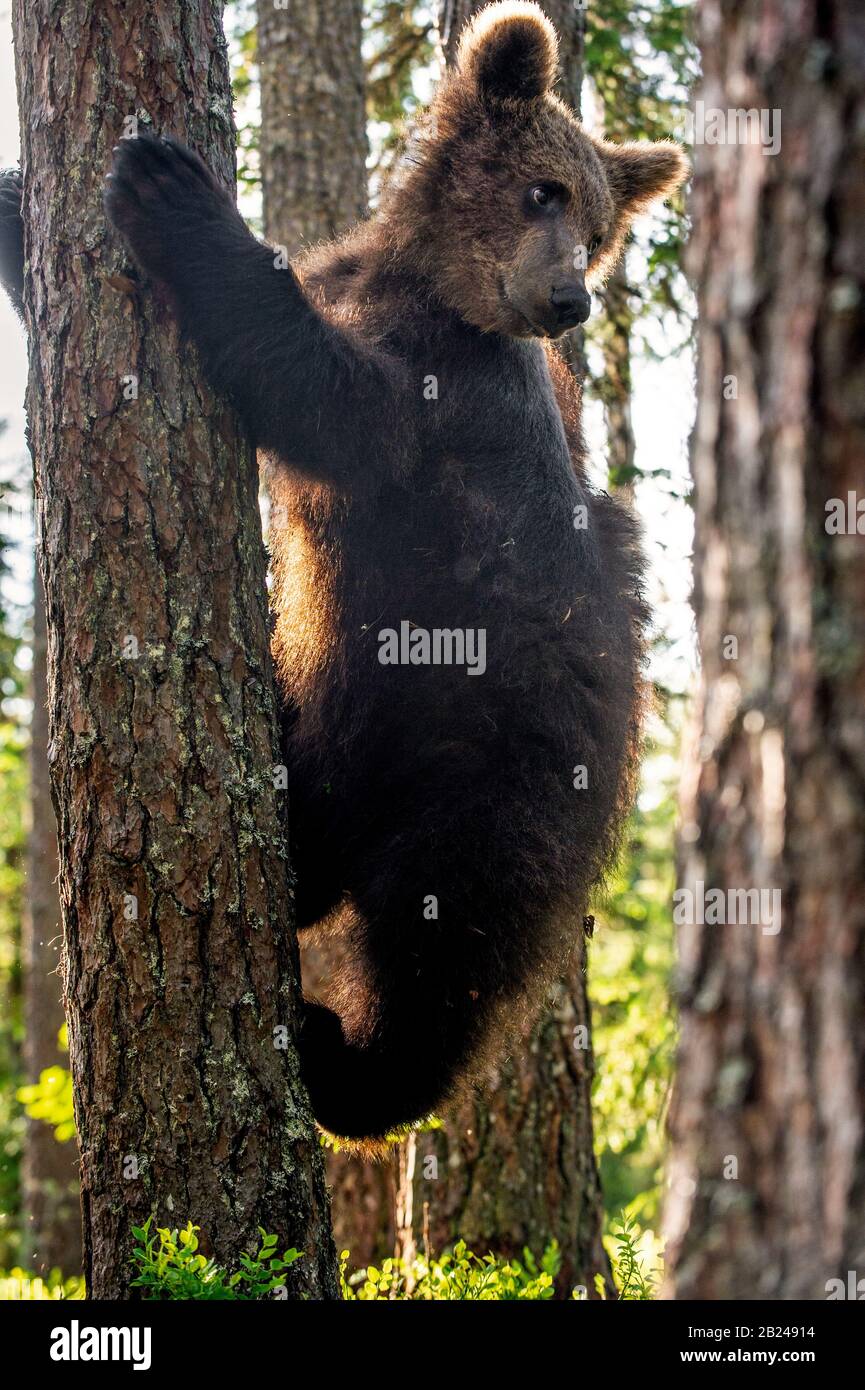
(767, 1196)
(49, 1171)
(313, 150)
(313, 119)
(613, 327)
(173, 878)
(615, 386)
(515, 1166)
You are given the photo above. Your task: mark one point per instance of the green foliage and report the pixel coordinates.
(463, 1276)
(642, 61)
(634, 1033)
(459, 1276)
(634, 1284)
(50, 1098)
(400, 49)
(640, 64)
(241, 28)
(17, 1286)
(634, 1281)
(13, 803)
(170, 1266)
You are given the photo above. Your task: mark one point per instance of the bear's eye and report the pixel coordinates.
(594, 246)
(545, 197)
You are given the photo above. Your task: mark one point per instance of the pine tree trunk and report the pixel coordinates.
(313, 147)
(49, 1171)
(313, 119)
(179, 959)
(767, 1197)
(613, 330)
(615, 386)
(515, 1165)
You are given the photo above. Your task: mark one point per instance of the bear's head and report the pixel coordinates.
(507, 204)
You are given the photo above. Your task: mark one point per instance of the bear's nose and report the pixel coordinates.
(572, 303)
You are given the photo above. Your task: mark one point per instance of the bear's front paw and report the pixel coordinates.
(158, 195)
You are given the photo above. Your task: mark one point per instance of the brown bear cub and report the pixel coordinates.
(458, 615)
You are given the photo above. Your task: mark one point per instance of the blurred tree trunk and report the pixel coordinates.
(313, 119)
(313, 147)
(49, 1171)
(613, 330)
(767, 1196)
(515, 1166)
(615, 386)
(180, 966)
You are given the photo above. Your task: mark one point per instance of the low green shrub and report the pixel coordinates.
(634, 1283)
(456, 1276)
(17, 1286)
(170, 1266)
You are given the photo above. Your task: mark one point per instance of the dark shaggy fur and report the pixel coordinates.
(12, 238)
(425, 466)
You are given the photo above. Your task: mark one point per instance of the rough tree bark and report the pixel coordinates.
(179, 960)
(312, 145)
(49, 1171)
(313, 119)
(514, 1166)
(767, 1196)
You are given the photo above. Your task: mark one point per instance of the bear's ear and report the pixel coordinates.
(639, 174)
(509, 50)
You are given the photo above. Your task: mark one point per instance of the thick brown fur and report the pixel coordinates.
(427, 467)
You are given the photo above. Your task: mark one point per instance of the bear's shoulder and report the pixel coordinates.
(330, 273)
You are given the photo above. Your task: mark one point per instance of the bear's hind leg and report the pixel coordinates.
(414, 1000)
(387, 1048)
